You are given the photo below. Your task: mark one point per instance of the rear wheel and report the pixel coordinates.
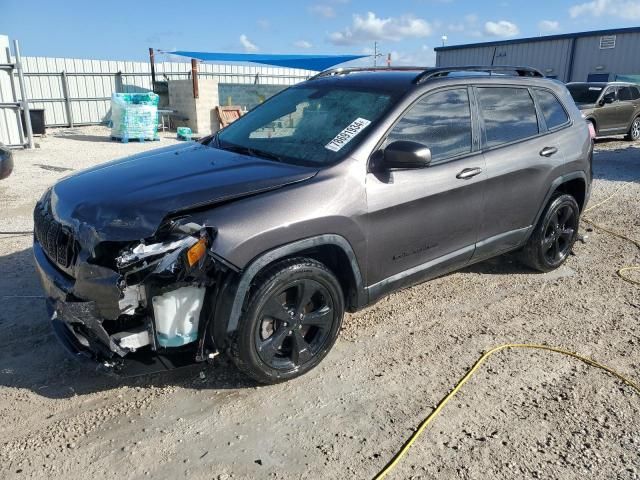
(291, 321)
(634, 131)
(554, 235)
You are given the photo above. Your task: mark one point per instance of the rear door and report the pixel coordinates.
(626, 106)
(522, 155)
(424, 221)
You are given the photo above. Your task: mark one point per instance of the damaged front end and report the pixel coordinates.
(136, 308)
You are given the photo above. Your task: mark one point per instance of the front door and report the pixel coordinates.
(422, 222)
(607, 116)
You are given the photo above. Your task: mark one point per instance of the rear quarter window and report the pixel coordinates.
(552, 110)
(509, 114)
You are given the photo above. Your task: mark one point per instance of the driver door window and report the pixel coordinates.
(441, 121)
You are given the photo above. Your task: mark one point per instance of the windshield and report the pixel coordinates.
(310, 125)
(585, 93)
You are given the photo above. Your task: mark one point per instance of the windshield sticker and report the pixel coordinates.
(347, 134)
(597, 89)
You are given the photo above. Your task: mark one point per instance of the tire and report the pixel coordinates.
(634, 131)
(290, 322)
(552, 240)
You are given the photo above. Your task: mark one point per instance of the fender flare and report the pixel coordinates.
(554, 186)
(250, 272)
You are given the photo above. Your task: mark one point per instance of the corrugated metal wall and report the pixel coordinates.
(553, 57)
(91, 83)
(622, 60)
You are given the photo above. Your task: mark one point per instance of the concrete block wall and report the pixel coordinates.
(246, 95)
(199, 112)
(182, 102)
(207, 101)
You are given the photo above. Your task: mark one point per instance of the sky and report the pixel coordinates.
(408, 29)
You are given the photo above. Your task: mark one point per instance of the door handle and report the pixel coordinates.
(467, 173)
(548, 151)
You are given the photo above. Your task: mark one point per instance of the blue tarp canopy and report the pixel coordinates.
(306, 62)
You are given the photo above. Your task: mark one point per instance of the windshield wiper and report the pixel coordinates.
(249, 151)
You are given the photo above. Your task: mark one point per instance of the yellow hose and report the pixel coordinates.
(425, 423)
(620, 272)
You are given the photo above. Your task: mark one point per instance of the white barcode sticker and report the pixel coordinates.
(346, 135)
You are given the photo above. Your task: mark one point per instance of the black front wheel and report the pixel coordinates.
(291, 321)
(552, 240)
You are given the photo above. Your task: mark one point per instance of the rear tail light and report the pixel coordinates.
(592, 130)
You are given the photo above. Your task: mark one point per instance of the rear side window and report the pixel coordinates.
(552, 110)
(635, 92)
(628, 93)
(509, 114)
(441, 121)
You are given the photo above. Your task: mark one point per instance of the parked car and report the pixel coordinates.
(6, 162)
(323, 199)
(613, 108)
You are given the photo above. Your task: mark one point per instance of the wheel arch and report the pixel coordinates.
(574, 183)
(331, 249)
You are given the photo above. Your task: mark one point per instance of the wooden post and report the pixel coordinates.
(194, 77)
(152, 61)
(119, 83)
(67, 100)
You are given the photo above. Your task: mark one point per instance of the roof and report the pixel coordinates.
(546, 38)
(402, 79)
(389, 79)
(603, 84)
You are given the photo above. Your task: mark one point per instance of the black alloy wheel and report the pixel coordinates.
(554, 235)
(295, 324)
(290, 322)
(559, 234)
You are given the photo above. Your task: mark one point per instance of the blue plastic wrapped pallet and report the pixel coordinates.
(134, 116)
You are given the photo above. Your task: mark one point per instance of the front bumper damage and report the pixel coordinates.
(149, 313)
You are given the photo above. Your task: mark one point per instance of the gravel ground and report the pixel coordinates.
(526, 414)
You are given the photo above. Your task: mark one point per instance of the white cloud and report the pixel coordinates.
(549, 26)
(471, 18)
(628, 9)
(247, 44)
(370, 28)
(456, 27)
(501, 29)
(302, 44)
(424, 57)
(325, 11)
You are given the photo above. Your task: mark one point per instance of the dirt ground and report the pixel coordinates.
(526, 414)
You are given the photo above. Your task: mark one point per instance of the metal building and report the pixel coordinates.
(603, 55)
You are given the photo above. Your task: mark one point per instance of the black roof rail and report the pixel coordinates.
(499, 69)
(346, 70)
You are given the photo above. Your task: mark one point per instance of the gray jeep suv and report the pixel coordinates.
(323, 199)
(613, 108)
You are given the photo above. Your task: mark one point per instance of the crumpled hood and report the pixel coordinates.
(127, 199)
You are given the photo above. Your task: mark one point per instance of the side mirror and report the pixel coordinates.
(406, 154)
(608, 98)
